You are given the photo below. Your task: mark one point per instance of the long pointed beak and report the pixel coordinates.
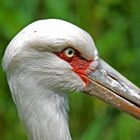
(110, 86)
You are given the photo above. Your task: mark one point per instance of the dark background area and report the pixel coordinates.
(115, 27)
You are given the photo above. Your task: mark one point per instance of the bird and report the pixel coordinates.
(49, 59)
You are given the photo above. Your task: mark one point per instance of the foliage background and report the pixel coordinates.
(115, 27)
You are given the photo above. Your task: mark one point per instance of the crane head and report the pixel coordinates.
(60, 56)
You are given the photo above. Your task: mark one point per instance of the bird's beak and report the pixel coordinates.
(110, 86)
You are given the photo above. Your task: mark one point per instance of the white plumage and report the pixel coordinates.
(40, 81)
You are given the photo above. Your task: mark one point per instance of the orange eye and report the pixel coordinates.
(69, 52)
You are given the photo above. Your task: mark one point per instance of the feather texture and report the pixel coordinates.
(40, 81)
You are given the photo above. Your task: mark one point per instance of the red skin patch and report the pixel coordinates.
(79, 64)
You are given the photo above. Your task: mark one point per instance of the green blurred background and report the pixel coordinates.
(115, 27)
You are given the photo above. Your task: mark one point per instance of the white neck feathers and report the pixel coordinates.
(42, 111)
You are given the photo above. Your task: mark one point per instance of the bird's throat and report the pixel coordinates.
(43, 111)
(45, 116)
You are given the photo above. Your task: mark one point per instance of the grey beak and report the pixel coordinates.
(110, 86)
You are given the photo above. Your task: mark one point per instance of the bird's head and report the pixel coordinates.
(60, 56)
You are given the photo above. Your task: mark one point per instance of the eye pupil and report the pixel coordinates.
(70, 52)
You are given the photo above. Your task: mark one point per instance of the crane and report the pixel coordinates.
(46, 61)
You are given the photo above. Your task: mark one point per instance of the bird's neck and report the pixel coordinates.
(43, 113)
(48, 119)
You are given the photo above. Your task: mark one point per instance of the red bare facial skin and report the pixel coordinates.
(79, 64)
